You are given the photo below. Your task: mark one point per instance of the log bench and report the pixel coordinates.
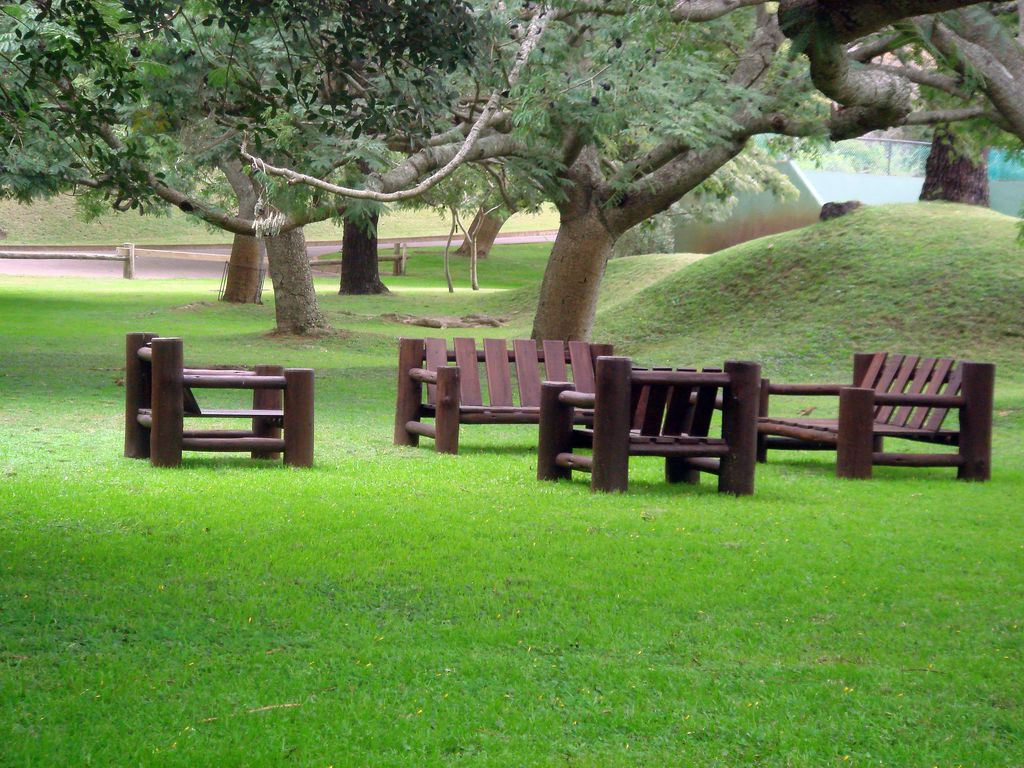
(892, 396)
(454, 393)
(159, 395)
(665, 413)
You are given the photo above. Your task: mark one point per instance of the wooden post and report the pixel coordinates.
(446, 414)
(762, 412)
(978, 389)
(396, 267)
(612, 420)
(411, 353)
(298, 417)
(555, 434)
(741, 402)
(267, 400)
(168, 402)
(128, 252)
(861, 363)
(405, 257)
(855, 440)
(679, 470)
(137, 392)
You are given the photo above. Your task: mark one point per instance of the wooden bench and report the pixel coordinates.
(454, 395)
(899, 396)
(159, 395)
(665, 413)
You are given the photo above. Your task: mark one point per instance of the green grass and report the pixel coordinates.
(56, 222)
(941, 277)
(393, 607)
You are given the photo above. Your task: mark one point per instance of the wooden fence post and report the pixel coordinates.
(396, 267)
(168, 402)
(266, 400)
(762, 412)
(409, 400)
(978, 389)
(612, 420)
(298, 417)
(854, 443)
(740, 405)
(137, 392)
(555, 431)
(128, 252)
(446, 413)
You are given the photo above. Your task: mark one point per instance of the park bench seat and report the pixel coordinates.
(892, 396)
(160, 394)
(667, 413)
(447, 384)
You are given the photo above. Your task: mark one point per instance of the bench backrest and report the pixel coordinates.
(496, 360)
(886, 372)
(681, 404)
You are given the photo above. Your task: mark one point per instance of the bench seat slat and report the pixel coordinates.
(469, 372)
(582, 366)
(899, 384)
(554, 361)
(938, 415)
(934, 386)
(902, 414)
(527, 372)
(499, 375)
(831, 427)
(436, 357)
(870, 379)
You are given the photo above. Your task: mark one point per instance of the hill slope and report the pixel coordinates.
(935, 278)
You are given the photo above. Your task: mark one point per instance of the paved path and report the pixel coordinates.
(155, 267)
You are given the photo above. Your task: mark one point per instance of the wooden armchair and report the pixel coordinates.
(159, 396)
(453, 392)
(900, 396)
(664, 413)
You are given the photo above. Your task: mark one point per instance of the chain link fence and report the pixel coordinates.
(898, 157)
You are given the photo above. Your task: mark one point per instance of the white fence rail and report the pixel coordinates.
(123, 253)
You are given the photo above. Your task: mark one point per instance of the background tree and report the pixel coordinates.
(320, 81)
(956, 171)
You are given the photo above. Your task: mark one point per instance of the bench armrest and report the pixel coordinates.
(924, 401)
(577, 399)
(813, 390)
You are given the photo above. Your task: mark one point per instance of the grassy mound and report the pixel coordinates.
(935, 278)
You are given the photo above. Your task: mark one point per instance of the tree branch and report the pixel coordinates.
(708, 10)
(538, 23)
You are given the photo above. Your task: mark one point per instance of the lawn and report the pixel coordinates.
(393, 607)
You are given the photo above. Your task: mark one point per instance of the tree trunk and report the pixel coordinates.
(360, 273)
(244, 264)
(572, 279)
(484, 230)
(243, 270)
(953, 172)
(294, 296)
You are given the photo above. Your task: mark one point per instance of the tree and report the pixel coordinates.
(335, 83)
(751, 85)
(954, 172)
(360, 273)
(483, 231)
(245, 262)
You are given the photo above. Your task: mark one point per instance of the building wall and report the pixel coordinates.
(759, 214)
